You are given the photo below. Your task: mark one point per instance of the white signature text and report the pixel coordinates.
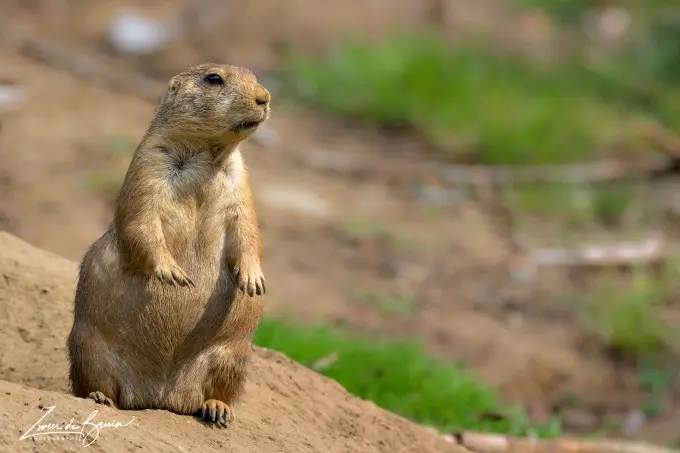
(88, 429)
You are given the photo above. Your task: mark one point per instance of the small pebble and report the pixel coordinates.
(131, 33)
(580, 420)
(12, 97)
(633, 423)
(440, 196)
(523, 275)
(449, 438)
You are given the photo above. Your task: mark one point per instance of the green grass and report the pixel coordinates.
(626, 316)
(390, 303)
(583, 205)
(472, 103)
(360, 229)
(655, 382)
(399, 377)
(569, 12)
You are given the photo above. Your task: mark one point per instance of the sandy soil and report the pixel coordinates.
(287, 407)
(313, 186)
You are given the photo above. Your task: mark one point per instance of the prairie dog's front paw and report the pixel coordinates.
(171, 274)
(250, 278)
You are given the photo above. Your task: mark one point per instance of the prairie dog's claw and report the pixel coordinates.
(251, 280)
(217, 412)
(172, 274)
(100, 398)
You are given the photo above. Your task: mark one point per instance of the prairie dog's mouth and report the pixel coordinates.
(248, 125)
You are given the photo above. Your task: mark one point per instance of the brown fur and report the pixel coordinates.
(169, 298)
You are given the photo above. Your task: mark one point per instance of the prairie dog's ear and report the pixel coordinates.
(174, 85)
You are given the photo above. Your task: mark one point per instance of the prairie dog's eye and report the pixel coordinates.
(214, 79)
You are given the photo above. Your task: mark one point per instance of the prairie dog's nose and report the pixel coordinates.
(262, 96)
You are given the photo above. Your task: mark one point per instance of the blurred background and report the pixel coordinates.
(469, 207)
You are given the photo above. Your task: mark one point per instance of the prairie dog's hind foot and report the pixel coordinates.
(217, 412)
(100, 398)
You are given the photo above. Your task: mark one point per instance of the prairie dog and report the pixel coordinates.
(170, 296)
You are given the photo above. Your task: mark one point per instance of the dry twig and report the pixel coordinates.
(601, 171)
(651, 250)
(492, 443)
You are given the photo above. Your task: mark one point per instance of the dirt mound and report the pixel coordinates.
(287, 407)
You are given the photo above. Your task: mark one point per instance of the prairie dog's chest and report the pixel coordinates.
(192, 195)
(200, 197)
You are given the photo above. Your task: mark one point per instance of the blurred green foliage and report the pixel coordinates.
(627, 316)
(477, 103)
(474, 102)
(568, 12)
(400, 377)
(481, 105)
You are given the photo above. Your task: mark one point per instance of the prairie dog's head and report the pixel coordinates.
(213, 102)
